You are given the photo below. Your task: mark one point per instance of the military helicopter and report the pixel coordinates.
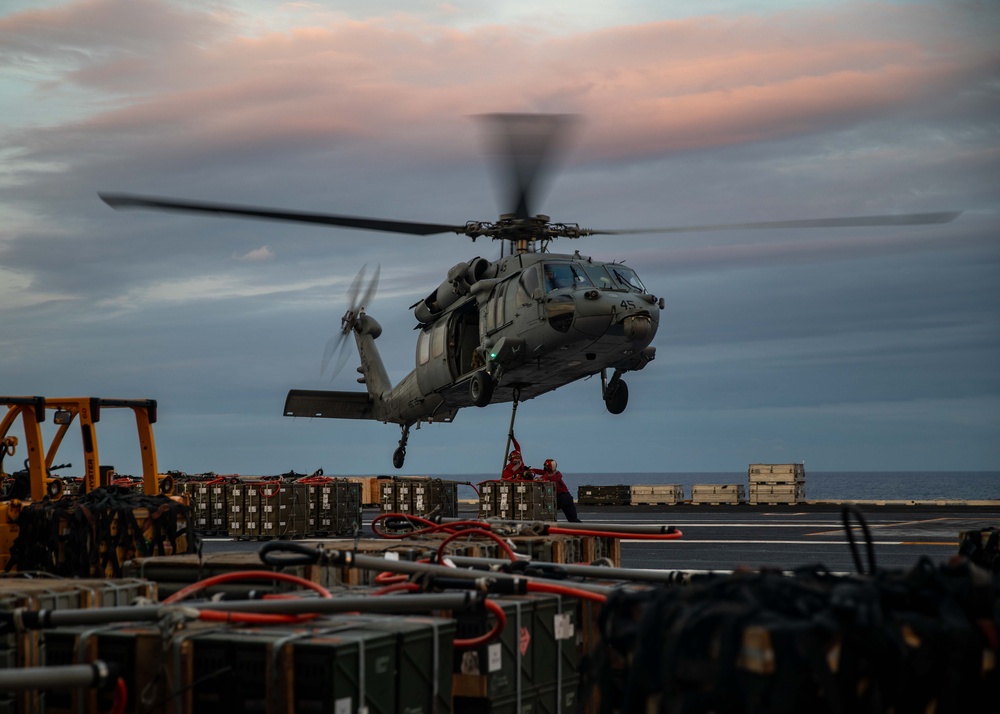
(500, 330)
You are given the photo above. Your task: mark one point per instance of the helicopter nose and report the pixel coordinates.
(638, 327)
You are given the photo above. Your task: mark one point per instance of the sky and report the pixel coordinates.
(851, 349)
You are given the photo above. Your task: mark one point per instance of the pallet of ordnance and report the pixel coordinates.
(717, 493)
(517, 500)
(617, 495)
(39, 591)
(534, 665)
(92, 535)
(419, 496)
(268, 509)
(774, 484)
(350, 663)
(773, 494)
(776, 473)
(657, 494)
(920, 640)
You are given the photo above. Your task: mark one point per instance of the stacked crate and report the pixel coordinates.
(716, 493)
(774, 484)
(657, 494)
(618, 495)
(266, 509)
(29, 648)
(494, 499)
(518, 500)
(419, 496)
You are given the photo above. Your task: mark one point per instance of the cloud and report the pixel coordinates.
(258, 254)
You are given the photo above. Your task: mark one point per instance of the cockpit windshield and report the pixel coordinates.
(627, 277)
(599, 276)
(565, 275)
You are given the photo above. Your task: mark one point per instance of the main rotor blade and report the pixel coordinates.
(119, 200)
(527, 143)
(909, 219)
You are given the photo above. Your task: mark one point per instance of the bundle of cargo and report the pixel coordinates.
(266, 509)
(419, 496)
(28, 648)
(715, 493)
(377, 663)
(534, 665)
(92, 535)
(517, 500)
(657, 494)
(617, 495)
(921, 640)
(774, 484)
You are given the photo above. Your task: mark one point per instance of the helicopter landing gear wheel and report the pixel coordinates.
(399, 455)
(616, 396)
(481, 388)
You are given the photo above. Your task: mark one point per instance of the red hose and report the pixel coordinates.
(557, 530)
(121, 697)
(540, 587)
(254, 618)
(477, 531)
(492, 634)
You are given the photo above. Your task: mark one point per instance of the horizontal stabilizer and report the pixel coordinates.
(328, 405)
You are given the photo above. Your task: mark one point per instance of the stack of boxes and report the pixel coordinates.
(518, 500)
(774, 484)
(419, 496)
(717, 493)
(657, 495)
(618, 495)
(282, 509)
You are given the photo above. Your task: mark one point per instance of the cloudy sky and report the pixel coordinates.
(849, 349)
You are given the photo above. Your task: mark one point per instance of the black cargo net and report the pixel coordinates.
(93, 534)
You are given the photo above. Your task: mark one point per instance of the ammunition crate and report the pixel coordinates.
(419, 496)
(774, 494)
(776, 473)
(178, 571)
(657, 494)
(30, 648)
(715, 494)
(518, 500)
(618, 495)
(536, 652)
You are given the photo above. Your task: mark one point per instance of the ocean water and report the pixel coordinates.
(823, 485)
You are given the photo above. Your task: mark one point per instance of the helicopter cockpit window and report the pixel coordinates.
(527, 286)
(423, 347)
(628, 278)
(565, 275)
(599, 276)
(438, 339)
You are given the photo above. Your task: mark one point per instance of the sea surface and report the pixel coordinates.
(822, 485)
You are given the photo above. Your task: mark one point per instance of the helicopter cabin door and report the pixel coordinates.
(446, 349)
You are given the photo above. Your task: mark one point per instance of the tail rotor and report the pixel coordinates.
(336, 347)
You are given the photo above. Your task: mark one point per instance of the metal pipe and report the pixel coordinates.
(97, 674)
(40, 619)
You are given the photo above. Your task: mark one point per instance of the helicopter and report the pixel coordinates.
(505, 330)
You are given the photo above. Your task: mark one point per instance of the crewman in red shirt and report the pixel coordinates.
(564, 499)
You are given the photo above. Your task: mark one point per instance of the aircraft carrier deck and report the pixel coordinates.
(726, 537)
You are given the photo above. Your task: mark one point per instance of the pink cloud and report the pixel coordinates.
(645, 90)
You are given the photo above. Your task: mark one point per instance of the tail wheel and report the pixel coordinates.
(616, 397)
(481, 388)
